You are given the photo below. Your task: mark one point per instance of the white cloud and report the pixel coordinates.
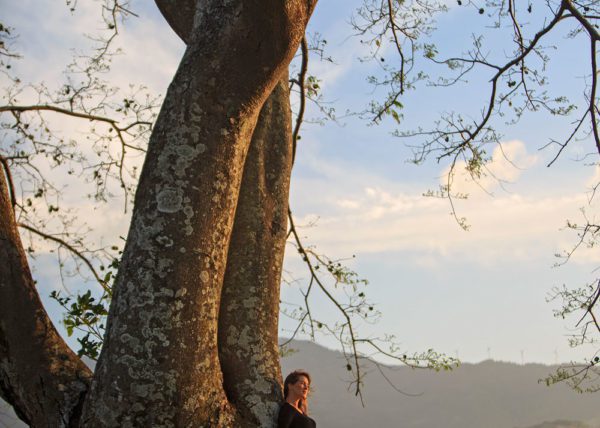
(48, 33)
(508, 160)
(360, 212)
(594, 179)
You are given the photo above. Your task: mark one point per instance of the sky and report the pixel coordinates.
(474, 294)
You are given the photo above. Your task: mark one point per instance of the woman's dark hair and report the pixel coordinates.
(292, 379)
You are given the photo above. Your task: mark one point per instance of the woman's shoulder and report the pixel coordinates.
(287, 410)
(286, 415)
(289, 413)
(286, 406)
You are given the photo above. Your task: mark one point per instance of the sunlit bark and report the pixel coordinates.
(248, 316)
(160, 364)
(249, 312)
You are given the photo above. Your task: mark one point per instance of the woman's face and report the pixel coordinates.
(300, 388)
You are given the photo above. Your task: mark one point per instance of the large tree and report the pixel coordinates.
(176, 331)
(192, 331)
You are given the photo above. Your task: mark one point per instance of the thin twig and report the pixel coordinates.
(72, 249)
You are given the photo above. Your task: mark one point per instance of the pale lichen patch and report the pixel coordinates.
(188, 211)
(166, 292)
(165, 241)
(141, 390)
(251, 302)
(204, 276)
(232, 335)
(169, 200)
(163, 268)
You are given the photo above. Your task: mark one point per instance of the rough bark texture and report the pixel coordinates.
(249, 312)
(179, 15)
(248, 331)
(39, 375)
(159, 366)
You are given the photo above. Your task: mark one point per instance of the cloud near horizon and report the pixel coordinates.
(382, 216)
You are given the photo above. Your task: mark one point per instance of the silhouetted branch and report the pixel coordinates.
(302, 90)
(73, 250)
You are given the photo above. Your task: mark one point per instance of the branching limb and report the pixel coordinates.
(357, 308)
(398, 45)
(333, 300)
(593, 109)
(81, 115)
(73, 250)
(29, 341)
(301, 80)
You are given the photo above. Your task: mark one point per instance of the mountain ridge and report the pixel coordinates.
(490, 394)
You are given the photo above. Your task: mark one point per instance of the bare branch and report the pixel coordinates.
(332, 299)
(398, 44)
(300, 82)
(73, 250)
(88, 116)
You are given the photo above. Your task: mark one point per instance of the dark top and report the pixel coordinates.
(290, 417)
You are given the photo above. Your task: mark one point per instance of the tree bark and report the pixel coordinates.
(248, 318)
(179, 15)
(40, 376)
(160, 365)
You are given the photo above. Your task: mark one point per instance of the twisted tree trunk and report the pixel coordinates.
(160, 365)
(248, 317)
(248, 332)
(181, 314)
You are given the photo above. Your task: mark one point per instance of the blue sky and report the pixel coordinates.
(475, 294)
(479, 293)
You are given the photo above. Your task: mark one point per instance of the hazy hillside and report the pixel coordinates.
(562, 424)
(486, 395)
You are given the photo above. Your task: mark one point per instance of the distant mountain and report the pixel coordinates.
(562, 424)
(486, 395)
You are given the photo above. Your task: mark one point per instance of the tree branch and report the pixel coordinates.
(355, 354)
(73, 250)
(301, 80)
(39, 375)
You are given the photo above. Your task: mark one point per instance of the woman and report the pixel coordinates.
(294, 411)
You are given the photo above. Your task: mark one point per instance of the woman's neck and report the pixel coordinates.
(294, 402)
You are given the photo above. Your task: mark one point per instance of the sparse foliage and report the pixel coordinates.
(108, 155)
(519, 84)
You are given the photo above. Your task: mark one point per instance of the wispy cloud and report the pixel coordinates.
(507, 161)
(378, 215)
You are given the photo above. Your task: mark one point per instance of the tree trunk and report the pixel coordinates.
(40, 376)
(248, 332)
(248, 319)
(159, 365)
